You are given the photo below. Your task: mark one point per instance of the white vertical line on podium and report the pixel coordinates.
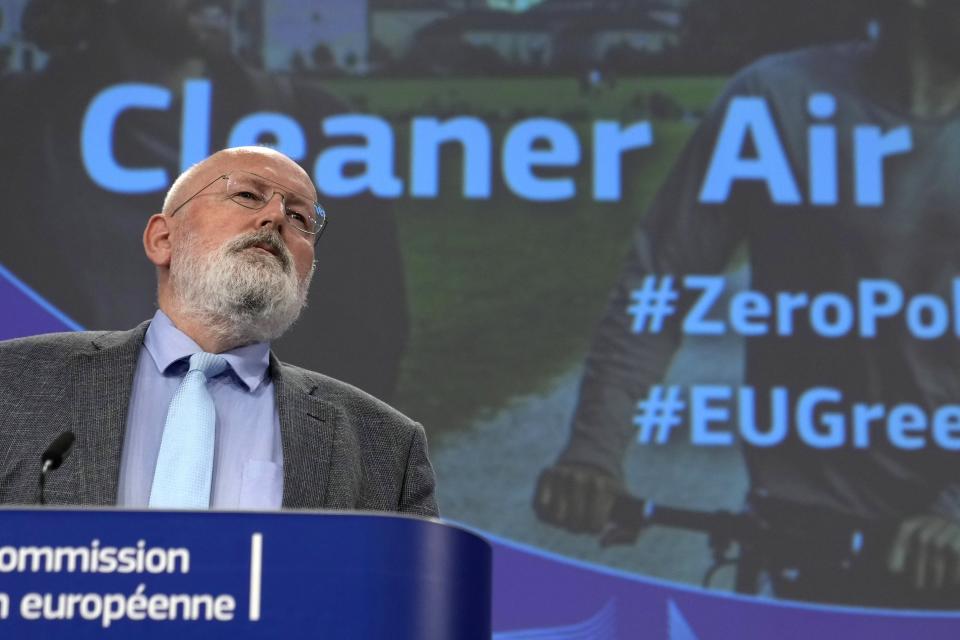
(256, 562)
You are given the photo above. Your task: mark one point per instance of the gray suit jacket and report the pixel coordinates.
(342, 448)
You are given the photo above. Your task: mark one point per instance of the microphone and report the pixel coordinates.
(53, 457)
(57, 452)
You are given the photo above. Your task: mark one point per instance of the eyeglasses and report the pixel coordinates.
(254, 192)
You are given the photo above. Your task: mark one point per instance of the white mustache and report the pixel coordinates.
(265, 237)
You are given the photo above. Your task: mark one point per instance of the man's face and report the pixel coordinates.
(215, 221)
(247, 269)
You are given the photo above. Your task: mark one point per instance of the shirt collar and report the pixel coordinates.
(166, 344)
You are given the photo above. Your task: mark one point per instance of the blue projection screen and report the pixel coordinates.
(674, 285)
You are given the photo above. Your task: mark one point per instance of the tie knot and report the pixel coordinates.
(210, 364)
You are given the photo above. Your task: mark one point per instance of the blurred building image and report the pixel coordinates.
(326, 36)
(323, 37)
(559, 35)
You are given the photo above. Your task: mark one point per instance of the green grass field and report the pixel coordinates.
(541, 96)
(504, 293)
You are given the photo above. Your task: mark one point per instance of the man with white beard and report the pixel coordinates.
(191, 409)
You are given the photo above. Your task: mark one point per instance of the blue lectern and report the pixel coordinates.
(103, 573)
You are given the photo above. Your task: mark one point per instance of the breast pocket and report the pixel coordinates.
(261, 486)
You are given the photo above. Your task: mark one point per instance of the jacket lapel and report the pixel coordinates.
(307, 428)
(101, 381)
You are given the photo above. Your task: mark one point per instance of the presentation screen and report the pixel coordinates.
(673, 285)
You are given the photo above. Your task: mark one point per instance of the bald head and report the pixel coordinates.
(260, 160)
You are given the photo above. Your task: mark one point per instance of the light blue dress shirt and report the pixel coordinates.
(248, 456)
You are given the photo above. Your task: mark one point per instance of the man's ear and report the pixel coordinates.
(156, 240)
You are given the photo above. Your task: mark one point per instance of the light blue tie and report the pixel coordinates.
(185, 464)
